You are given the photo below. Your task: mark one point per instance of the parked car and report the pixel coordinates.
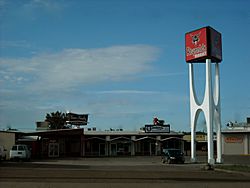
(3, 153)
(20, 152)
(172, 156)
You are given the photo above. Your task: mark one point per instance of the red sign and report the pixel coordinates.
(233, 139)
(196, 44)
(202, 44)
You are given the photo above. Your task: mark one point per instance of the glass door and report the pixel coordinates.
(53, 149)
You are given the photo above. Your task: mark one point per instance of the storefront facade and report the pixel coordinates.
(236, 142)
(123, 143)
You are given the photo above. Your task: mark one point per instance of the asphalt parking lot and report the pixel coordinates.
(114, 172)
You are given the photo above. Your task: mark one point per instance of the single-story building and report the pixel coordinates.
(7, 139)
(236, 141)
(54, 143)
(92, 143)
(201, 143)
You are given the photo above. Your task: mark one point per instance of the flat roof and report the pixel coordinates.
(93, 133)
(130, 133)
(56, 131)
(238, 130)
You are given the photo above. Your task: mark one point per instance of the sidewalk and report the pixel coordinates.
(137, 160)
(110, 161)
(226, 159)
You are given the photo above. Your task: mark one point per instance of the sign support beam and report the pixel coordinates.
(211, 109)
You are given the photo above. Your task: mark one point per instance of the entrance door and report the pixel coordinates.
(53, 149)
(152, 149)
(113, 149)
(146, 148)
(101, 149)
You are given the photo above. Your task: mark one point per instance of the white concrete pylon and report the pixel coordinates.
(211, 108)
(217, 113)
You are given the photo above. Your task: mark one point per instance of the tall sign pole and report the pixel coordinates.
(204, 46)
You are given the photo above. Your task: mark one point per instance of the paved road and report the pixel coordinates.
(113, 172)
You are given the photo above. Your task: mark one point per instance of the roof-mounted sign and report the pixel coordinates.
(157, 128)
(77, 119)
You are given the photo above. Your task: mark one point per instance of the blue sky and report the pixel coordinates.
(121, 61)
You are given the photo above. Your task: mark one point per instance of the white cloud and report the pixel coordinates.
(63, 76)
(49, 5)
(15, 44)
(77, 67)
(132, 101)
(142, 92)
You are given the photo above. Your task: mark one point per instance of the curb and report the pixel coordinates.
(232, 172)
